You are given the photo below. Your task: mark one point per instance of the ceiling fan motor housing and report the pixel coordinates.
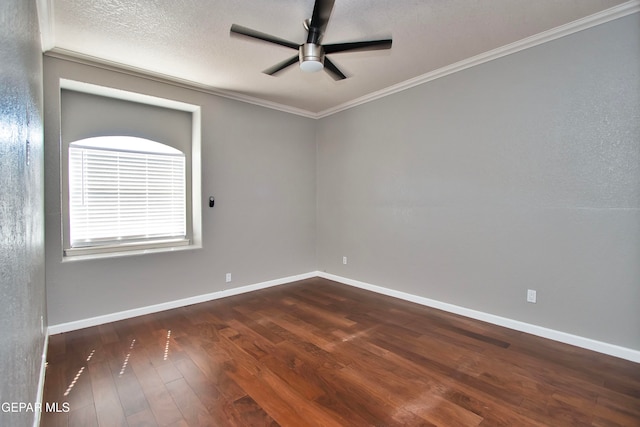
(311, 57)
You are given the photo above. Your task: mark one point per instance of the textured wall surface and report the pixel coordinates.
(22, 290)
(258, 163)
(521, 173)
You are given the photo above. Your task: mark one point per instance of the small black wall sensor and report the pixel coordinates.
(211, 201)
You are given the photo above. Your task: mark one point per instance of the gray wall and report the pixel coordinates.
(258, 163)
(523, 172)
(22, 290)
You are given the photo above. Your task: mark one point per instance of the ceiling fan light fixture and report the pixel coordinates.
(311, 57)
(311, 66)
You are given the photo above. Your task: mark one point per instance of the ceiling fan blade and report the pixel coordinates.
(358, 46)
(244, 31)
(281, 65)
(319, 20)
(333, 71)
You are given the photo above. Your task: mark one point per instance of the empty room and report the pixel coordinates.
(320, 213)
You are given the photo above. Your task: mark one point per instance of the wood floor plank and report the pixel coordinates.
(314, 353)
(162, 405)
(192, 409)
(395, 394)
(143, 418)
(168, 372)
(292, 371)
(252, 413)
(358, 405)
(217, 404)
(131, 394)
(269, 399)
(83, 417)
(398, 346)
(54, 419)
(309, 410)
(78, 392)
(107, 403)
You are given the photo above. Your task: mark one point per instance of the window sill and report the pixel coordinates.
(125, 250)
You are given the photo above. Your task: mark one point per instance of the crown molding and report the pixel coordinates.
(46, 23)
(105, 64)
(616, 12)
(45, 14)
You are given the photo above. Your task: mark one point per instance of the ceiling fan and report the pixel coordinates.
(311, 54)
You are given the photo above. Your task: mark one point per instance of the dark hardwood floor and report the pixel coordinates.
(317, 353)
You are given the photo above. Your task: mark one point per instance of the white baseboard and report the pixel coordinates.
(43, 371)
(121, 315)
(578, 341)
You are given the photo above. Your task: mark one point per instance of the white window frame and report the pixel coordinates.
(193, 239)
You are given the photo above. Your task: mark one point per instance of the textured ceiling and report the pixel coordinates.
(189, 40)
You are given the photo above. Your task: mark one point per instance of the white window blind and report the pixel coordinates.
(125, 195)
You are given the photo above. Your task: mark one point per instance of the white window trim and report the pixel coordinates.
(169, 245)
(124, 248)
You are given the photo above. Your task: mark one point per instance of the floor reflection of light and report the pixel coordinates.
(166, 346)
(66, 393)
(126, 359)
(80, 371)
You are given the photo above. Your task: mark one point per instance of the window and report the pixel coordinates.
(125, 190)
(131, 173)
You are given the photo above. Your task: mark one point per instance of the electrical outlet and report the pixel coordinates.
(531, 296)
(42, 324)
(228, 277)
(344, 260)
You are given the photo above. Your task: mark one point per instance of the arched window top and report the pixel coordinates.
(128, 144)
